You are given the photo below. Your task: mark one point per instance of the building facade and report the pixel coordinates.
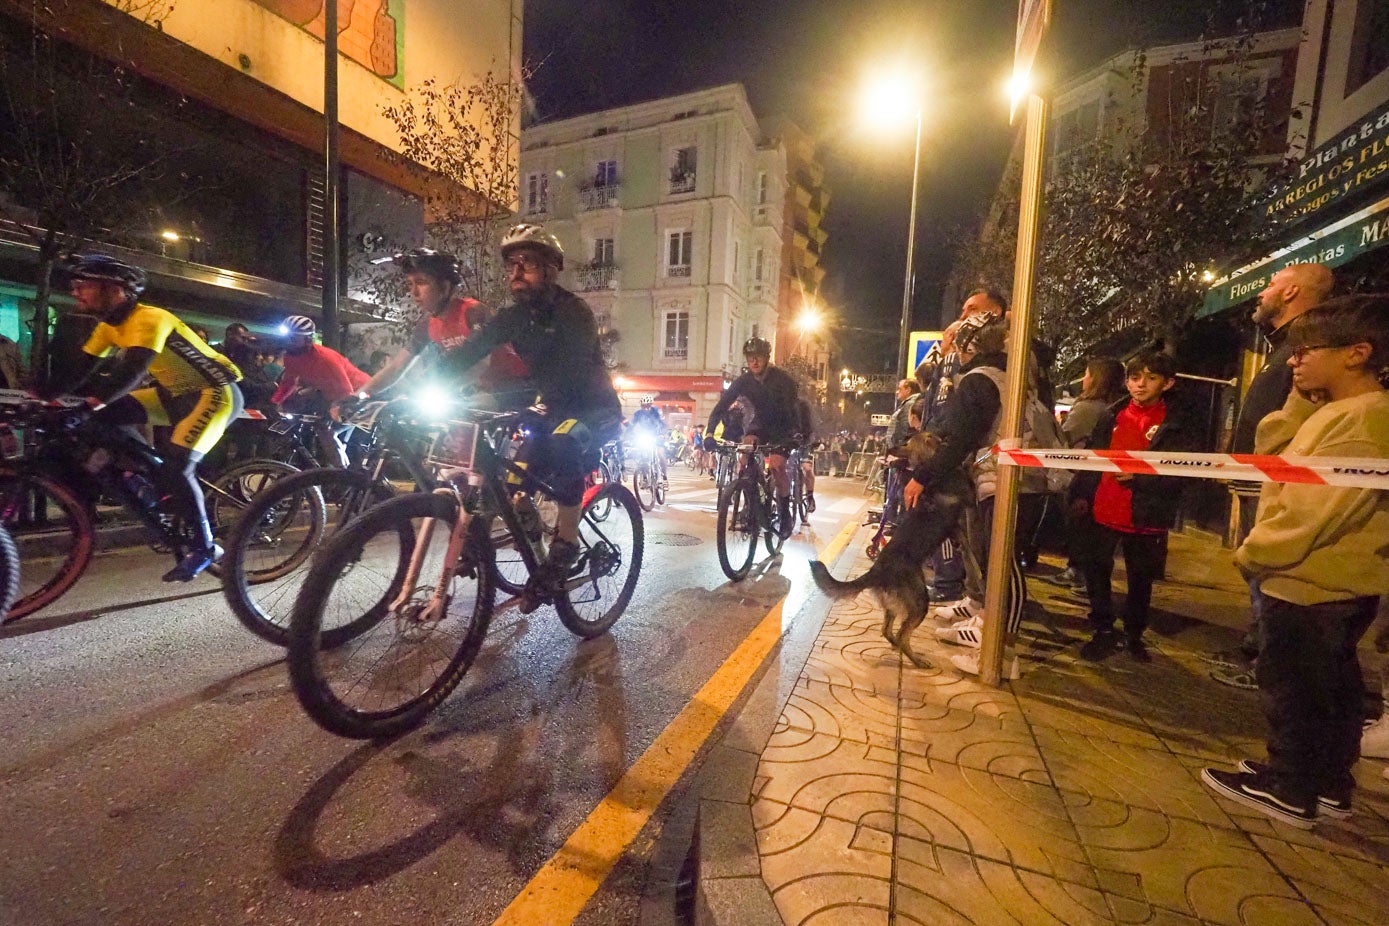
(230, 222)
(671, 215)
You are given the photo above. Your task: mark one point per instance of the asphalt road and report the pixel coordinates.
(156, 768)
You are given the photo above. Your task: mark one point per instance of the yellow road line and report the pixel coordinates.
(564, 884)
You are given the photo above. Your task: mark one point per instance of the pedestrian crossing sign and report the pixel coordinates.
(919, 343)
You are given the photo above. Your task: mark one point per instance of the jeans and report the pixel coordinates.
(1145, 557)
(1313, 694)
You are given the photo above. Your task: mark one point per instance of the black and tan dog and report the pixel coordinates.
(897, 576)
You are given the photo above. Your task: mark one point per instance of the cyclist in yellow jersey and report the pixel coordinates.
(195, 388)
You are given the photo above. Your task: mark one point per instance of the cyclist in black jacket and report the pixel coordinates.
(555, 333)
(776, 416)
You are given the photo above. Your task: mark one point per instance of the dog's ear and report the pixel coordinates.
(922, 447)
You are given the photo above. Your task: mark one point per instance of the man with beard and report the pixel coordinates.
(315, 378)
(555, 334)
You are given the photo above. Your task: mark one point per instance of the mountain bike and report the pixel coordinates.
(62, 463)
(800, 509)
(413, 576)
(649, 479)
(747, 512)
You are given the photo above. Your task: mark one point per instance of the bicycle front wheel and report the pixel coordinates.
(737, 530)
(605, 574)
(423, 638)
(643, 486)
(53, 531)
(9, 573)
(269, 546)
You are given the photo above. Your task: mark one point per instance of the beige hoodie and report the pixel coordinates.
(1311, 543)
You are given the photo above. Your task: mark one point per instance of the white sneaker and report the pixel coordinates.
(966, 633)
(968, 663)
(952, 611)
(1374, 741)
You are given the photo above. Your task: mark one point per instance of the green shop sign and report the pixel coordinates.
(1351, 163)
(1338, 243)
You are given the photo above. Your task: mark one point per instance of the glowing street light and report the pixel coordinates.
(810, 320)
(891, 99)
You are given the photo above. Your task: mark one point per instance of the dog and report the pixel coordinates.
(898, 576)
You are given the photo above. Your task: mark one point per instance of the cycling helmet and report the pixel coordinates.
(437, 264)
(298, 325)
(105, 269)
(757, 347)
(533, 236)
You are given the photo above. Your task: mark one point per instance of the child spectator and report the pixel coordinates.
(1101, 387)
(1131, 513)
(1315, 560)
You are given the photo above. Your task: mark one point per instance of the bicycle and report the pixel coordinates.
(649, 479)
(63, 462)
(412, 577)
(800, 507)
(722, 464)
(747, 509)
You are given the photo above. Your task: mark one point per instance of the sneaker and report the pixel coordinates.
(1338, 807)
(1374, 741)
(1241, 677)
(809, 502)
(950, 612)
(1138, 651)
(1067, 576)
(192, 564)
(560, 562)
(1257, 792)
(1101, 646)
(968, 663)
(966, 633)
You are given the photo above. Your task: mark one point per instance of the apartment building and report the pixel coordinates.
(671, 213)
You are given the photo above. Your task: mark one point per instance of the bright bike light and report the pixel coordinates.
(433, 402)
(644, 441)
(283, 330)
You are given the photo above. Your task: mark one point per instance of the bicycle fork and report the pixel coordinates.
(433, 610)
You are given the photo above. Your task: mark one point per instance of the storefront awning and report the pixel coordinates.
(1336, 244)
(655, 384)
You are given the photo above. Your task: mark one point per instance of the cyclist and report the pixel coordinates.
(315, 378)
(448, 318)
(555, 333)
(194, 387)
(647, 421)
(776, 419)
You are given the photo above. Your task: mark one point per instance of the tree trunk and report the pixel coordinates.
(43, 290)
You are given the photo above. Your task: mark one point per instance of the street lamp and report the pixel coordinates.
(890, 100)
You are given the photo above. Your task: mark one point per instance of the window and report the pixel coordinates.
(603, 252)
(679, 245)
(602, 321)
(737, 261)
(759, 264)
(1369, 52)
(537, 193)
(1076, 130)
(677, 336)
(761, 188)
(1239, 92)
(682, 170)
(606, 175)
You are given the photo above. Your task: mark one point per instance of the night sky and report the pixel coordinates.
(806, 58)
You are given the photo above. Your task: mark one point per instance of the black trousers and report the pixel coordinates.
(1313, 693)
(1145, 559)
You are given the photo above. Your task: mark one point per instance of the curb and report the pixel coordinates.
(110, 537)
(729, 888)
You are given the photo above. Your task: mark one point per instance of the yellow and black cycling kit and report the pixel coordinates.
(195, 389)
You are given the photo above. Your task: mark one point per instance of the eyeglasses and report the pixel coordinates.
(1300, 353)
(524, 264)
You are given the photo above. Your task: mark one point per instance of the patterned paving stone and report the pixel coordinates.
(998, 745)
(826, 870)
(844, 780)
(1343, 888)
(848, 713)
(1181, 865)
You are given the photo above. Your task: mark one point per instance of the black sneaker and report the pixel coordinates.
(192, 564)
(786, 524)
(1257, 792)
(1102, 645)
(1138, 651)
(1338, 807)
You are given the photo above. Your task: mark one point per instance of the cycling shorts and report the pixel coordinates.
(566, 452)
(199, 419)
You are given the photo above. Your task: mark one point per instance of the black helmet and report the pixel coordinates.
(105, 269)
(526, 235)
(437, 264)
(757, 347)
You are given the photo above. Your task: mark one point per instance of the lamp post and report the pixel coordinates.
(911, 255)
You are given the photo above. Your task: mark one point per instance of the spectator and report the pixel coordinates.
(377, 361)
(1291, 292)
(11, 365)
(1315, 564)
(1131, 513)
(899, 429)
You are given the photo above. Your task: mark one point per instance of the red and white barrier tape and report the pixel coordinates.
(1370, 473)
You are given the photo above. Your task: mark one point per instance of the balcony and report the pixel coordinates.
(591, 277)
(598, 197)
(679, 270)
(682, 182)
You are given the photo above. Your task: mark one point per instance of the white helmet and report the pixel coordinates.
(297, 325)
(533, 236)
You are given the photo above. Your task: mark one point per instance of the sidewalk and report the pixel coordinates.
(885, 793)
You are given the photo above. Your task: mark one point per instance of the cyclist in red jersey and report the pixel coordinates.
(315, 378)
(450, 318)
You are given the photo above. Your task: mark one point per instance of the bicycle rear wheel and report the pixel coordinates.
(510, 572)
(269, 547)
(737, 530)
(390, 676)
(52, 529)
(9, 573)
(231, 495)
(660, 482)
(610, 555)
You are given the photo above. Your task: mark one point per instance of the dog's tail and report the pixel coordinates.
(838, 588)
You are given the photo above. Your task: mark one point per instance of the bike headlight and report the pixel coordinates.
(434, 402)
(644, 441)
